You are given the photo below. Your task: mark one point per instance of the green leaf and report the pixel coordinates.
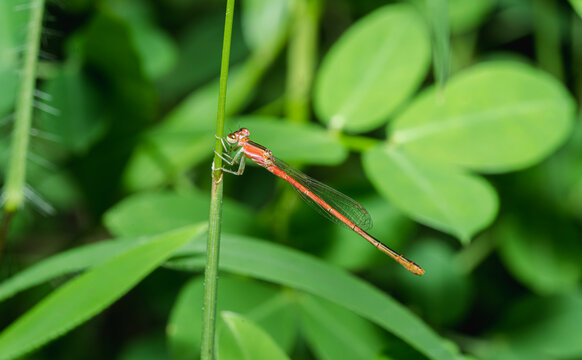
(292, 142)
(376, 65)
(467, 15)
(577, 5)
(463, 16)
(335, 333)
(90, 293)
(108, 46)
(163, 154)
(154, 212)
(79, 119)
(287, 267)
(259, 259)
(554, 331)
(66, 263)
(157, 52)
(241, 339)
(494, 117)
(436, 195)
(262, 303)
(264, 22)
(543, 254)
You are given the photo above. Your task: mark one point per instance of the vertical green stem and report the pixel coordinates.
(576, 45)
(301, 58)
(548, 36)
(213, 247)
(16, 172)
(438, 16)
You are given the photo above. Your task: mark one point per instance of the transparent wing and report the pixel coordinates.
(345, 205)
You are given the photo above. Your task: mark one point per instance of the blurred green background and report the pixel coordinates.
(455, 123)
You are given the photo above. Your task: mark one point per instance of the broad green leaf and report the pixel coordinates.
(108, 45)
(292, 142)
(335, 333)
(154, 212)
(577, 5)
(59, 189)
(494, 117)
(463, 16)
(241, 339)
(288, 267)
(65, 263)
(544, 255)
(90, 293)
(443, 294)
(264, 304)
(500, 350)
(259, 259)
(163, 154)
(77, 118)
(467, 15)
(554, 331)
(440, 196)
(157, 52)
(376, 65)
(264, 22)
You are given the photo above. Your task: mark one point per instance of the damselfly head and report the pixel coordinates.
(234, 137)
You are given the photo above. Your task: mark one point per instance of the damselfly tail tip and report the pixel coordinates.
(415, 269)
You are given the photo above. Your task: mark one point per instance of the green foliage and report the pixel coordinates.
(336, 333)
(577, 5)
(239, 338)
(90, 293)
(374, 67)
(167, 211)
(314, 145)
(470, 167)
(441, 196)
(274, 263)
(266, 305)
(495, 117)
(539, 262)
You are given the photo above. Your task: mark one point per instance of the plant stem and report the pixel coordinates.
(213, 247)
(437, 14)
(16, 171)
(357, 143)
(548, 37)
(7, 216)
(301, 58)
